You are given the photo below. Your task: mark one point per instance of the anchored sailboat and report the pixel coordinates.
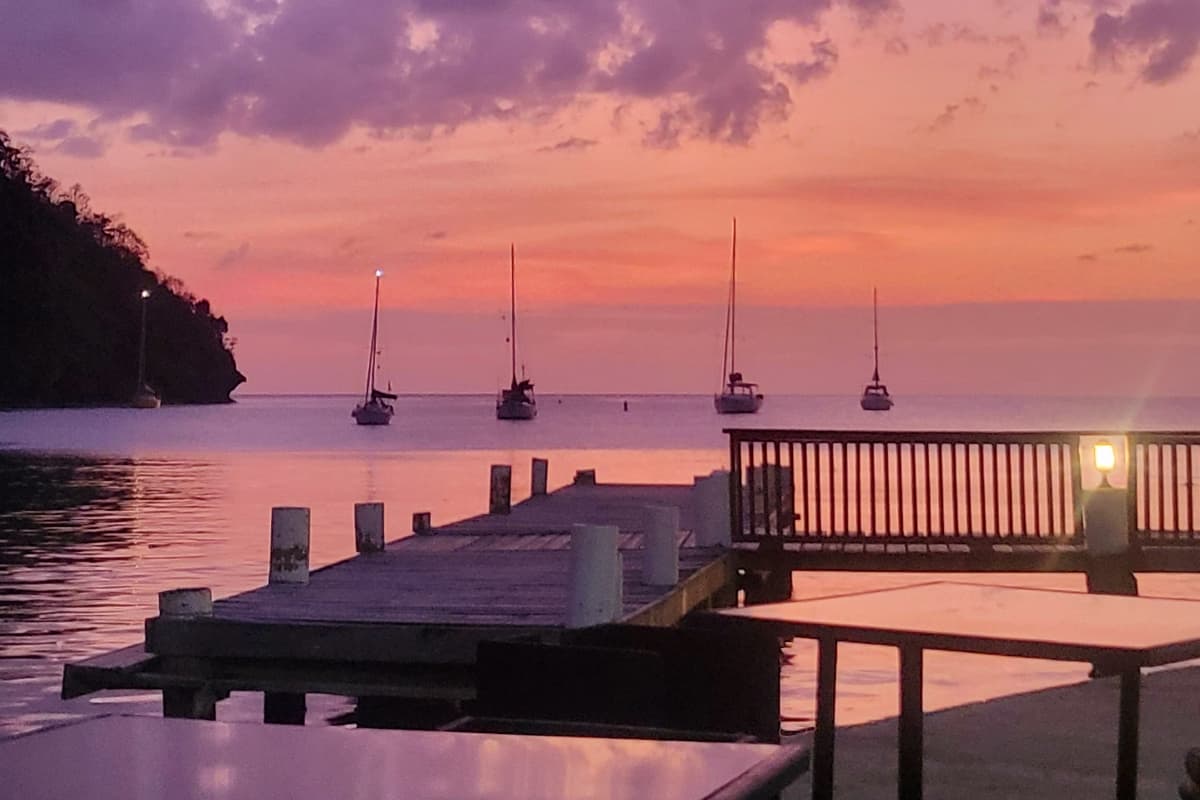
(143, 396)
(738, 396)
(375, 408)
(875, 396)
(517, 401)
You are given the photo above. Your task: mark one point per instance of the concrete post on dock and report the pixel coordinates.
(710, 509)
(289, 545)
(187, 702)
(368, 527)
(185, 603)
(594, 581)
(539, 477)
(500, 489)
(660, 557)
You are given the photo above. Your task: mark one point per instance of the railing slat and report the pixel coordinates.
(1190, 487)
(1162, 517)
(912, 468)
(817, 470)
(1175, 488)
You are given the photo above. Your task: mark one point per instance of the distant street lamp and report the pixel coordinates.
(142, 344)
(144, 396)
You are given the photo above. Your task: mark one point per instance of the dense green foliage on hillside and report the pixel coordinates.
(70, 305)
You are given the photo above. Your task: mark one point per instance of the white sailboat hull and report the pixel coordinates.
(727, 403)
(515, 410)
(145, 399)
(875, 402)
(372, 414)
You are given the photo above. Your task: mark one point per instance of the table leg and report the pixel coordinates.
(1127, 734)
(912, 713)
(822, 778)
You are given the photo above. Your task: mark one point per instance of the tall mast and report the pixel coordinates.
(512, 316)
(875, 326)
(733, 302)
(374, 338)
(726, 355)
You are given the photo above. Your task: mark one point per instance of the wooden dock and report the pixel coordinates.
(407, 622)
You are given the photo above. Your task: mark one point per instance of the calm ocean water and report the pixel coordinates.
(100, 509)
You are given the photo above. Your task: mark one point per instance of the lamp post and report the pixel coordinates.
(143, 396)
(141, 381)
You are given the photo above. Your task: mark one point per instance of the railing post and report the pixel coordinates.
(735, 487)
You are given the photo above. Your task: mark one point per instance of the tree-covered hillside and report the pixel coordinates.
(70, 305)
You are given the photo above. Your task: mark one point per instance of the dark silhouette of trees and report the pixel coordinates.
(70, 314)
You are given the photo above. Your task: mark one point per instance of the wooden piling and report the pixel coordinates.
(368, 527)
(500, 494)
(289, 545)
(539, 477)
(660, 561)
(422, 523)
(594, 578)
(585, 477)
(185, 603)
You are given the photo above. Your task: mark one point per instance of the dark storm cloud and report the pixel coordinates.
(1164, 35)
(182, 72)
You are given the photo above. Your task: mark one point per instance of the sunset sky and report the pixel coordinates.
(1020, 179)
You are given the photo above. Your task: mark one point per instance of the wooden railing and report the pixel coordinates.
(1163, 492)
(940, 486)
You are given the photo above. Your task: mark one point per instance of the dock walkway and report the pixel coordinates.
(407, 621)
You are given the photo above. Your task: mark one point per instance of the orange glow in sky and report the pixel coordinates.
(1020, 179)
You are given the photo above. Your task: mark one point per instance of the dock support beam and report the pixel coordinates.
(500, 489)
(188, 703)
(284, 708)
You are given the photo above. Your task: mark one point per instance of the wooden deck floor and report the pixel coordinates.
(431, 598)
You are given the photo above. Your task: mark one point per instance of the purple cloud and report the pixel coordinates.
(235, 256)
(950, 113)
(824, 59)
(573, 144)
(1163, 34)
(1135, 248)
(181, 72)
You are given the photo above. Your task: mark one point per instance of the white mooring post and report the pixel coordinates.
(710, 509)
(660, 556)
(500, 489)
(422, 522)
(539, 476)
(594, 594)
(183, 603)
(368, 527)
(289, 545)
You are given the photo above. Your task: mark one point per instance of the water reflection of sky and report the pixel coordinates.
(183, 498)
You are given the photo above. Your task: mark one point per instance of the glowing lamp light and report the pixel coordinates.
(378, 273)
(145, 293)
(1106, 459)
